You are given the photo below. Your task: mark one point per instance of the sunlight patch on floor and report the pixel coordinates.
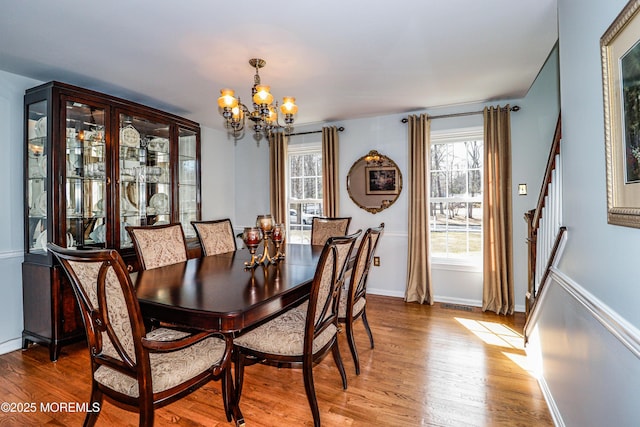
(494, 333)
(497, 334)
(522, 361)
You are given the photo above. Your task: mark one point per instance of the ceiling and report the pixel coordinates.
(340, 59)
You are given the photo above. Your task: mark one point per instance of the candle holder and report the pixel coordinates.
(265, 223)
(277, 237)
(252, 237)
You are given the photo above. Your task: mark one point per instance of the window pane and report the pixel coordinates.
(438, 184)
(475, 183)
(295, 188)
(458, 183)
(309, 188)
(309, 165)
(295, 166)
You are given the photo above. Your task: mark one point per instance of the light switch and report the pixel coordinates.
(522, 189)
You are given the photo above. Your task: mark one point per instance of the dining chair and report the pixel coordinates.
(158, 245)
(215, 236)
(137, 370)
(324, 227)
(353, 299)
(303, 335)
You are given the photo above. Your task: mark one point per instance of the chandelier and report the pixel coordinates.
(264, 115)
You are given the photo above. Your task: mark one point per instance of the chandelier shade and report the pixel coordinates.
(264, 114)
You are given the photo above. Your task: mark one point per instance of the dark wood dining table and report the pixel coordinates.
(217, 293)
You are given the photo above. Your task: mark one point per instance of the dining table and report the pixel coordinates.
(219, 293)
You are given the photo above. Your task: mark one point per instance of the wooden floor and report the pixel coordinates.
(431, 366)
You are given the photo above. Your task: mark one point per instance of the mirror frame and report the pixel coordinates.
(374, 158)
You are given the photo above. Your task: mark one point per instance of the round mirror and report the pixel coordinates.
(374, 182)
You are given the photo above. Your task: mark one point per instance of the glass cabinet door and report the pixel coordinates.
(145, 174)
(187, 182)
(86, 178)
(36, 174)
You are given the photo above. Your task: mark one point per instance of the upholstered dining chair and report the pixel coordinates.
(304, 334)
(158, 245)
(137, 370)
(353, 299)
(324, 227)
(215, 236)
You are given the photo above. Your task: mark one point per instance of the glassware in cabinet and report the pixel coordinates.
(86, 176)
(145, 173)
(36, 174)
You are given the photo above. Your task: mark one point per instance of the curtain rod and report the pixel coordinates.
(340, 129)
(470, 113)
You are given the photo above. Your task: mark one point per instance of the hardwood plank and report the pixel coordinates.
(431, 366)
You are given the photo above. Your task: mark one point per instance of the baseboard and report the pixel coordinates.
(439, 298)
(385, 292)
(11, 345)
(553, 408)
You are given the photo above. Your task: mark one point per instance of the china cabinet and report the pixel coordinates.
(94, 164)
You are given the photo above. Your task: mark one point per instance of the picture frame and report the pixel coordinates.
(620, 55)
(381, 180)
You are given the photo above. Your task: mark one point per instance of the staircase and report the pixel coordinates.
(545, 229)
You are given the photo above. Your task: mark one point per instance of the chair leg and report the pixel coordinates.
(96, 397)
(227, 392)
(307, 373)
(146, 411)
(352, 345)
(366, 325)
(238, 368)
(335, 350)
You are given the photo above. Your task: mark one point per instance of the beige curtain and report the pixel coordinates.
(330, 184)
(419, 287)
(497, 294)
(277, 177)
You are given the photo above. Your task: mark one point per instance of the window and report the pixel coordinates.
(304, 190)
(455, 216)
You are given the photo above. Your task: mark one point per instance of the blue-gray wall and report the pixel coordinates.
(12, 89)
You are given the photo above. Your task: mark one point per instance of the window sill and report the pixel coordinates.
(456, 265)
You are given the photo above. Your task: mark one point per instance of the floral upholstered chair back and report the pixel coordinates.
(158, 245)
(322, 228)
(329, 277)
(109, 307)
(216, 237)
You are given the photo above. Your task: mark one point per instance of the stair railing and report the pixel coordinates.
(544, 224)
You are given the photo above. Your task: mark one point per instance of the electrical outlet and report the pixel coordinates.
(376, 261)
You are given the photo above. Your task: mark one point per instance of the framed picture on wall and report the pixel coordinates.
(381, 180)
(620, 54)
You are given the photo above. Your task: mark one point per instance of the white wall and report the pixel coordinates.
(12, 89)
(587, 333)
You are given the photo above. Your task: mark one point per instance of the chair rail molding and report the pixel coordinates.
(11, 254)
